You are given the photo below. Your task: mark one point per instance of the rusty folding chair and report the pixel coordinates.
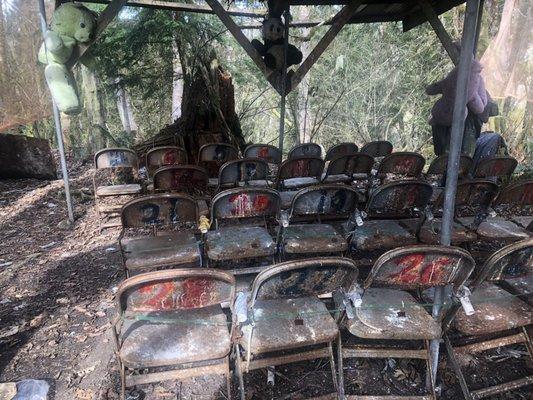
(437, 171)
(512, 216)
(284, 314)
(378, 148)
(313, 206)
(163, 156)
(391, 310)
(305, 150)
(399, 166)
(267, 152)
(171, 221)
(240, 220)
(394, 214)
(189, 179)
(472, 200)
(212, 156)
(341, 149)
(114, 182)
(244, 172)
(500, 318)
(348, 168)
(495, 168)
(172, 322)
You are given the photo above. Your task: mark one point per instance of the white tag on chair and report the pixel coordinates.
(241, 307)
(284, 219)
(464, 297)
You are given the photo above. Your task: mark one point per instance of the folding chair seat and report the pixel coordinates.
(175, 248)
(522, 286)
(157, 326)
(275, 334)
(283, 312)
(315, 205)
(236, 242)
(496, 310)
(147, 344)
(500, 229)
(305, 150)
(241, 218)
(392, 210)
(402, 318)
(431, 230)
(346, 168)
(118, 190)
(390, 308)
(161, 214)
(400, 165)
(244, 172)
(296, 173)
(341, 149)
(499, 318)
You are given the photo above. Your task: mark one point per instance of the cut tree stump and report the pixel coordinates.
(25, 157)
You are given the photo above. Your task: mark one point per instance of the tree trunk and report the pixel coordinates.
(177, 78)
(303, 110)
(125, 111)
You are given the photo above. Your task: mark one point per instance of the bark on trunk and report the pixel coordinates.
(125, 111)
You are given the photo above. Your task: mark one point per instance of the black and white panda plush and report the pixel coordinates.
(272, 50)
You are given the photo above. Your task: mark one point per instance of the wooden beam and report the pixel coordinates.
(417, 17)
(185, 7)
(105, 18)
(223, 15)
(342, 17)
(439, 29)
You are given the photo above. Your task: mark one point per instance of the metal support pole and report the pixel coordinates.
(283, 85)
(456, 140)
(478, 25)
(57, 123)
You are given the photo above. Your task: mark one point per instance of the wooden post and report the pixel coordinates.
(342, 17)
(456, 140)
(105, 18)
(439, 29)
(241, 38)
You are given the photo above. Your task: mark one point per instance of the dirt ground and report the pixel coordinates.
(57, 285)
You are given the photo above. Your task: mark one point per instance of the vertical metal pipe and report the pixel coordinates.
(456, 140)
(283, 85)
(57, 123)
(478, 25)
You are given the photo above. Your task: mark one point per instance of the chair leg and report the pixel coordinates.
(332, 365)
(430, 384)
(238, 369)
(457, 368)
(528, 343)
(340, 368)
(228, 378)
(122, 381)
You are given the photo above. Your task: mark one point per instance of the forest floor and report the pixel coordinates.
(57, 285)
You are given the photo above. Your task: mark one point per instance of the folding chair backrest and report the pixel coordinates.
(421, 267)
(116, 158)
(213, 155)
(163, 156)
(159, 210)
(242, 170)
(517, 194)
(399, 199)
(175, 290)
(241, 203)
(350, 164)
(511, 261)
(189, 179)
(267, 152)
(402, 163)
(378, 148)
(474, 195)
(438, 165)
(305, 150)
(304, 278)
(498, 167)
(327, 200)
(301, 167)
(341, 149)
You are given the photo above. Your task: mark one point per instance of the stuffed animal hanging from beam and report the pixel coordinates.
(72, 24)
(272, 50)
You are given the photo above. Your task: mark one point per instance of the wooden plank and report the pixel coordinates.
(178, 374)
(439, 29)
(342, 17)
(502, 388)
(185, 7)
(417, 17)
(105, 18)
(491, 344)
(281, 360)
(240, 38)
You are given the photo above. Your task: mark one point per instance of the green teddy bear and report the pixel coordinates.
(72, 23)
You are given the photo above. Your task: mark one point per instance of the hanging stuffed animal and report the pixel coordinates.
(272, 49)
(72, 23)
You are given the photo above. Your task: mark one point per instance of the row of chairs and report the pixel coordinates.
(249, 225)
(180, 323)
